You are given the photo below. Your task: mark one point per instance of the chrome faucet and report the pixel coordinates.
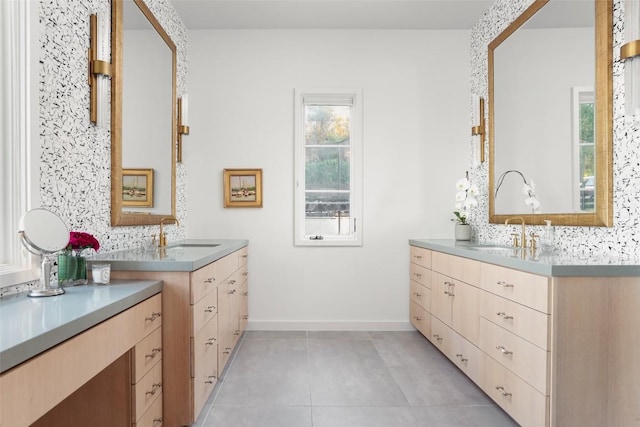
(163, 236)
(523, 236)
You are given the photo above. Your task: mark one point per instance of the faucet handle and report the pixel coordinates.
(514, 241)
(532, 242)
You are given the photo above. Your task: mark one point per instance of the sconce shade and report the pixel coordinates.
(630, 54)
(99, 71)
(478, 130)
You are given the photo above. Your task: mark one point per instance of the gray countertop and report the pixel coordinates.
(555, 264)
(185, 255)
(29, 326)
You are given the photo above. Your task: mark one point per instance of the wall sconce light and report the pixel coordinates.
(478, 131)
(630, 54)
(99, 71)
(183, 127)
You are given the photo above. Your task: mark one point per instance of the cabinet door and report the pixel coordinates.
(466, 356)
(441, 297)
(465, 311)
(441, 336)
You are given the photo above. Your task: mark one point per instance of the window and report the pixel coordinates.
(328, 172)
(14, 138)
(584, 152)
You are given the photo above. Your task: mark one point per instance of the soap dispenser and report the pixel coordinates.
(547, 238)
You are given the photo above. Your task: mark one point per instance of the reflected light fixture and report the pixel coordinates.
(478, 130)
(630, 54)
(183, 127)
(99, 71)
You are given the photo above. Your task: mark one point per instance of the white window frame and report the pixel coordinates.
(15, 73)
(356, 170)
(578, 93)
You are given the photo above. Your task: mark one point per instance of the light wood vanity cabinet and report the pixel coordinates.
(205, 312)
(551, 351)
(420, 289)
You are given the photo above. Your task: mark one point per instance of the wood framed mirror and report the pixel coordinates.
(143, 117)
(551, 114)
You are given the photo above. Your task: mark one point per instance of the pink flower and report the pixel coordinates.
(79, 240)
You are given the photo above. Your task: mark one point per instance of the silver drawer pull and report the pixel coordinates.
(231, 292)
(504, 350)
(504, 315)
(505, 284)
(210, 380)
(246, 294)
(227, 350)
(245, 317)
(210, 280)
(437, 337)
(232, 281)
(462, 359)
(236, 332)
(417, 319)
(210, 309)
(503, 392)
(419, 256)
(153, 317)
(153, 353)
(245, 256)
(210, 341)
(154, 389)
(417, 294)
(245, 274)
(157, 421)
(417, 274)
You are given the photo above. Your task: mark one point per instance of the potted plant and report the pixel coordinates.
(465, 201)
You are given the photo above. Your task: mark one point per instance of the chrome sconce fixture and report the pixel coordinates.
(478, 131)
(183, 127)
(99, 71)
(630, 54)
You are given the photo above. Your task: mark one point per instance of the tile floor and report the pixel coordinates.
(345, 379)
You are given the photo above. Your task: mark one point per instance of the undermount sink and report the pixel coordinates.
(491, 248)
(193, 245)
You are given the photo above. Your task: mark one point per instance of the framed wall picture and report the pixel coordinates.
(137, 187)
(243, 188)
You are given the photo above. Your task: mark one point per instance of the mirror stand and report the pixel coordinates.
(45, 289)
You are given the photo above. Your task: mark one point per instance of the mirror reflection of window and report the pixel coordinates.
(584, 153)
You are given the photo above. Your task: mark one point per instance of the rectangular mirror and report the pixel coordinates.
(143, 116)
(550, 114)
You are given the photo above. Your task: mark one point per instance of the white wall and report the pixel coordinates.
(416, 135)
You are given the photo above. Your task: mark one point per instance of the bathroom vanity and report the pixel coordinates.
(89, 357)
(551, 339)
(204, 309)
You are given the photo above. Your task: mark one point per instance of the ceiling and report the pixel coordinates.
(333, 14)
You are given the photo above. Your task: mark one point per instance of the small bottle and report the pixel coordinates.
(547, 238)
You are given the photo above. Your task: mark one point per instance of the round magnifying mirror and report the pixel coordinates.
(43, 232)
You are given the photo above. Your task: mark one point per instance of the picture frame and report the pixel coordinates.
(242, 188)
(137, 187)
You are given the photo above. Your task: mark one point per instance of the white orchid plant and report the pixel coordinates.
(466, 193)
(528, 189)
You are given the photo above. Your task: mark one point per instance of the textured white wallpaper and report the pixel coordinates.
(623, 239)
(75, 163)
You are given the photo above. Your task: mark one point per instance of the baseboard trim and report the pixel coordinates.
(269, 325)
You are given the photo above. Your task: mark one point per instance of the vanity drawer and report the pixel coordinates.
(420, 274)
(204, 310)
(466, 356)
(523, 358)
(153, 416)
(420, 256)
(524, 288)
(227, 265)
(524, 403)
(146, 391)
(464, 269)
(146, 354)
(150, 315)
(203, 281)
(523, 321)
(244, 305)
(441, 336)
(420, 319)
(420, 295)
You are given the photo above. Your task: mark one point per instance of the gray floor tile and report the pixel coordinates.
(350, 373)
(241, 416)
(275, 335)
(362, 417)
(462, 416)
(339, 335)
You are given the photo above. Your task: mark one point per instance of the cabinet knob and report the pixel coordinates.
(153, 317)
(503, 391)
(504, 350)
(504, 315)
(153, 353)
